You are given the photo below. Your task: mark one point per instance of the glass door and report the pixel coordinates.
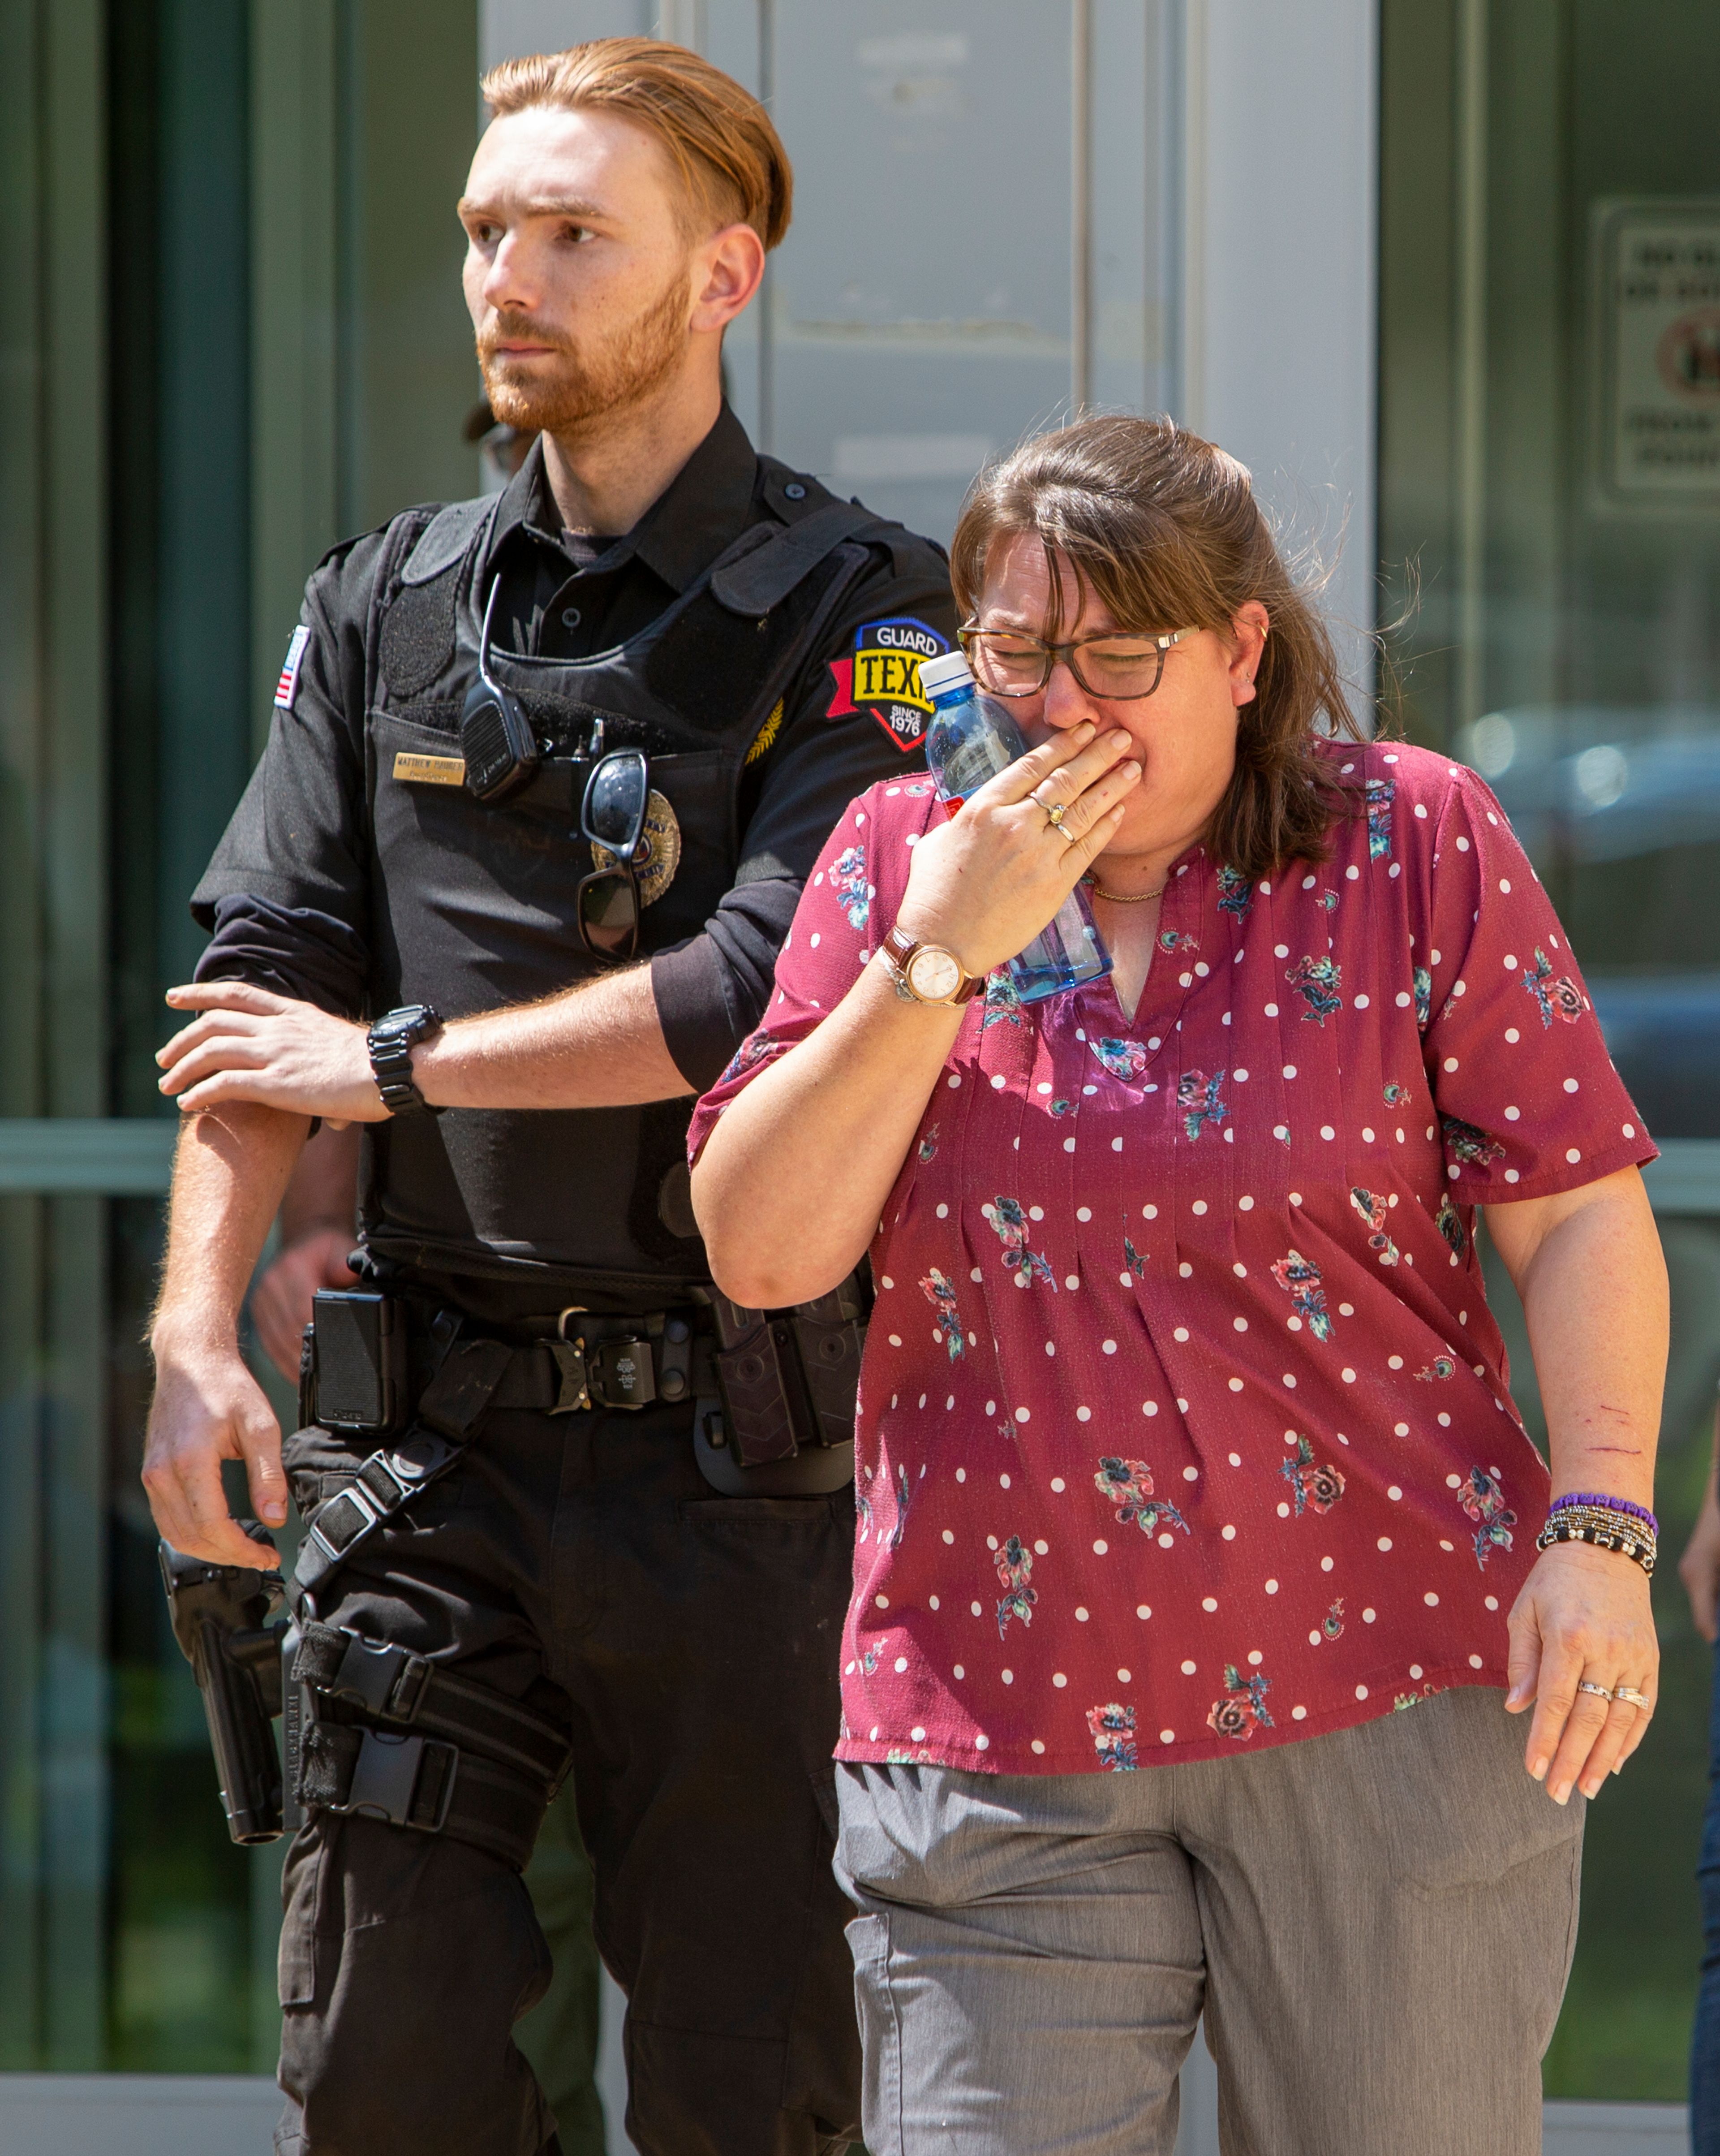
(982, 238)
(235, 329)
(1550, 512)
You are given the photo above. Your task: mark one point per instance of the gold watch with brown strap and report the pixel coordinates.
(927, 973)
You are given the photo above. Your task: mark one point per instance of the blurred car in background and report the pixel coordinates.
(1619, 810)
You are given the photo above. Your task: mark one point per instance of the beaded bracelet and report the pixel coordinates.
(1604, 1512)
(1598, 1538)
(1604, 1516)
(1593, 1499)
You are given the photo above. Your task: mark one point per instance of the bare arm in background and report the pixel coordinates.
(318, 1219)
(1699, 1568)
(230, 1175)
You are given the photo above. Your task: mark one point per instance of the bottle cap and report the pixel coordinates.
(949, 670)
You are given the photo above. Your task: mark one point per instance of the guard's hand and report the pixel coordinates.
(1583, 1614)
(253, 1045)
(208, 1408)
(985, 882)
(281, 1301)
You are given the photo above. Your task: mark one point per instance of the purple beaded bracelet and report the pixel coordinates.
(1574, 1498)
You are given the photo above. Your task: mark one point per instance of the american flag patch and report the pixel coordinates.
(285, 688)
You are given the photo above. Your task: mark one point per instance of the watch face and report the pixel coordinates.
(409, 1023)
(933, 974)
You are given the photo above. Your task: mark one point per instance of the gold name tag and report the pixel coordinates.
(429, 770)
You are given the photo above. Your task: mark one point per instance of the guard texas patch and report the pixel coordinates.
(882, 676)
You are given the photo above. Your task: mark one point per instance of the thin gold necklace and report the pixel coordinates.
(1121, 897)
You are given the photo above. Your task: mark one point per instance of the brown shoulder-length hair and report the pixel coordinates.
(1165, 529)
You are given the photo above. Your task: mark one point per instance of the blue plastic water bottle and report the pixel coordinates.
(971, 738)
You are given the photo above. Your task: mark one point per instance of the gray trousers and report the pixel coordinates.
(1377, 1926)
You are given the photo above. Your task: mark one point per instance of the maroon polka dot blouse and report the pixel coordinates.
(1185, 1426)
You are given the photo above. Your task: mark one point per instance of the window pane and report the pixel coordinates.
(1550, 517)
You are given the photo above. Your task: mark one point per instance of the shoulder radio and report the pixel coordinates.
(496, 739)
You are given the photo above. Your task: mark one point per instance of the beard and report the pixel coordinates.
(591, 382)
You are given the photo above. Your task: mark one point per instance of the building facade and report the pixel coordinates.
(1445, 273)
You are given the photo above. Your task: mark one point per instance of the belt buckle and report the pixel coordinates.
(608, 1373)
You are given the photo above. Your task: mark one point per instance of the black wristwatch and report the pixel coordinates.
(392, 1039)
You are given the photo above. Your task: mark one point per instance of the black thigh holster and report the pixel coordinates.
(392, 1735)
(369, 1728)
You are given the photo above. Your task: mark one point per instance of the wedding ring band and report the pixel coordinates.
(1630, 1693)
(1600, 1692)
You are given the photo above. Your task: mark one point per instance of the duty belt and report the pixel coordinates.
(588, 1362)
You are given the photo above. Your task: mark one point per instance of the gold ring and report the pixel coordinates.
(1630, 1693)
(1600, 1691)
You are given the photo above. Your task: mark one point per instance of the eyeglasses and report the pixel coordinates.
(612, 817)
(1119, 665)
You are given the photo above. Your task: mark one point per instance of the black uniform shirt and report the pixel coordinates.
(287, 894)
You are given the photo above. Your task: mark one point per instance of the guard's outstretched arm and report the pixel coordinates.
(599, 1045)
(231, 1168)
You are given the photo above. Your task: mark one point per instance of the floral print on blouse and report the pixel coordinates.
(1185, 1426)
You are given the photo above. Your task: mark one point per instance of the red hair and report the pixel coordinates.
(733, 166)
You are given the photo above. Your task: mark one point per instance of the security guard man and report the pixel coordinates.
(611, 714)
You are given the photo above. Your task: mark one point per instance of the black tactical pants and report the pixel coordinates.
(582, 1564)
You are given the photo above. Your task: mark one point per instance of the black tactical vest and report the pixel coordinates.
(474, 905)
